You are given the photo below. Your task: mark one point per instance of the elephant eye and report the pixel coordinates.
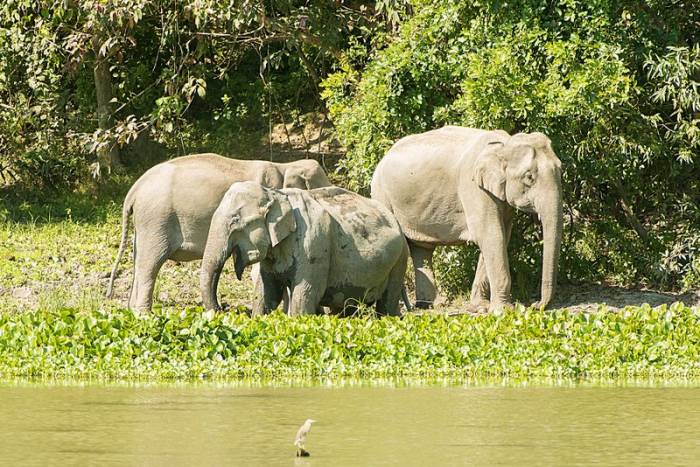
(235, 220)
(528, 178)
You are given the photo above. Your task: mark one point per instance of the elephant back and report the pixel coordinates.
(366, 222)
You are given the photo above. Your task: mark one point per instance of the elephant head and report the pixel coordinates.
(524, 172)
(305, 174)
(249, 222)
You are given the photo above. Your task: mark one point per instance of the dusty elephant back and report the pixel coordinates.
(187, 190)
(366, 237)
(363, 217)
(304, 174)
(419, 178)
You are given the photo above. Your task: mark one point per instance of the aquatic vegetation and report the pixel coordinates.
(119, 344)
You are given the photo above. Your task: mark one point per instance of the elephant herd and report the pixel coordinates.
(316, 245)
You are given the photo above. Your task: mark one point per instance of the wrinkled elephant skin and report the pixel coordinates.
(327, 247)
(455, 185)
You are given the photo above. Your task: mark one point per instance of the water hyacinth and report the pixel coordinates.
(120, 344)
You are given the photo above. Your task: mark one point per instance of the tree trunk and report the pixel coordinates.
(107, 157)
(629, 214)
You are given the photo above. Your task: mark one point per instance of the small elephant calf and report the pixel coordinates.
(327, 246)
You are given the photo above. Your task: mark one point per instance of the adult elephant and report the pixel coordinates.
(454, 185)
(173, 203)
(328, 247)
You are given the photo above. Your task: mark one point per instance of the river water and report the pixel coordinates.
(358, 424)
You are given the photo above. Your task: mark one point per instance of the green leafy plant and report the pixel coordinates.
(113, 343)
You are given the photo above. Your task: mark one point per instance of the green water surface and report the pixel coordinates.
(358, 424)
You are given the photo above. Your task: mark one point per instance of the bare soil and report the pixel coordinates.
(589, 298)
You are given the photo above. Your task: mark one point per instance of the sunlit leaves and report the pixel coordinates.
(664, 341)
(678, 72)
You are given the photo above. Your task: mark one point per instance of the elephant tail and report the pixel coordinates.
(406, 300)
(126, 212)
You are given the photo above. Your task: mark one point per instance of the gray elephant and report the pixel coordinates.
(454, 185)
(327, 246)
(173, 203)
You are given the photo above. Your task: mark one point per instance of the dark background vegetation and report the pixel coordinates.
(93, 92)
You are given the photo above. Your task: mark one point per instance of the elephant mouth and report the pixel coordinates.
(239, 262)
(525, 206)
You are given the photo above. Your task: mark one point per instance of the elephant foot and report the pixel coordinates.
(142, 310)
(539, 305)
(478, 307)
(498, 308)
(423, 304)
(480, 304)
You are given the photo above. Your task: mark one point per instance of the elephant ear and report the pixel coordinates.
(489, 171)
(280, 218)
(296, 179)
(270, 177)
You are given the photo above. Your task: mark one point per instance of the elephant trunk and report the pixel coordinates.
(552, 220)
(216, 253)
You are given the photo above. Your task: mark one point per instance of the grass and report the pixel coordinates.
(118, 344)
(57, 251)
(55, 322)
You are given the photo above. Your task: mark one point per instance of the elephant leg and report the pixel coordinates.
(388, 304)
(495, 253)
(306, 296)
(133, 292)
(426, 291)
(271, 295)
(285, 299)
(258, 290)
(480, 287)
(150, 258)
(480, 293)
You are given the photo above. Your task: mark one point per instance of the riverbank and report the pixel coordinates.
(118, 344)
(55, 259)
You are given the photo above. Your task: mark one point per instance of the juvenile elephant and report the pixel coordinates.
(328, 246)
(453, 185)
(173, 202)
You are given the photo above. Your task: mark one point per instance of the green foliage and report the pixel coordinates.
(171, 65)
(193, 344)
(614, 85)
(60, 251)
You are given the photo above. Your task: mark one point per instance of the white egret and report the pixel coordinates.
(301, 438)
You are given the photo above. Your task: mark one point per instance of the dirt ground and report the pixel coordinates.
(178, 288)
(590, 297)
